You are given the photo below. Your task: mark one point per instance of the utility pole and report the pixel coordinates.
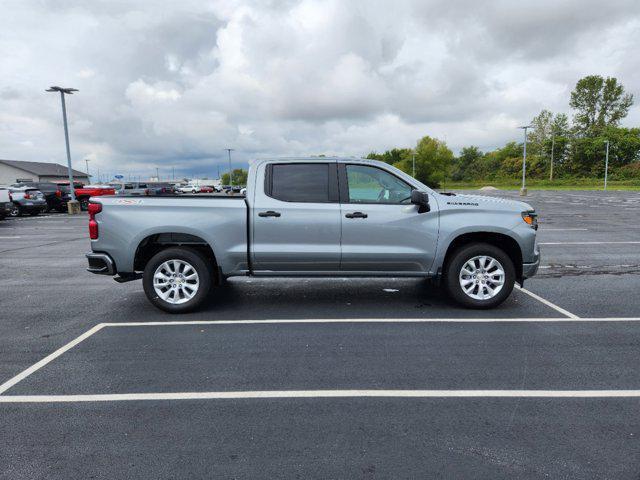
(73, 208)
(553, 144)
(523, 190)
(229, 150)
(157, 175)
(173, 173)
(86, 161)
(606, 165)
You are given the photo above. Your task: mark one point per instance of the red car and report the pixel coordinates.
(84, 192)
(206, 189)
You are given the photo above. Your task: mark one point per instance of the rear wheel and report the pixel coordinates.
(177, 280)
(479, 276)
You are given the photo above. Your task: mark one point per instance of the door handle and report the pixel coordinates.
(356, 215)
(269, 213)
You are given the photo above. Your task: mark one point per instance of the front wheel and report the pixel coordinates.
(177, 280)
(479, 276)
(15, 211)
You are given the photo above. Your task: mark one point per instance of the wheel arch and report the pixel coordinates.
(156, 242)
(502, 241)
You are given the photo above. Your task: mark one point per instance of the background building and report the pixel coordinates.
(12, 171)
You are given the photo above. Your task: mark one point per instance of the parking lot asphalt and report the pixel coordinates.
(590, 268)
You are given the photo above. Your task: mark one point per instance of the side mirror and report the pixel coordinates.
(421, 199)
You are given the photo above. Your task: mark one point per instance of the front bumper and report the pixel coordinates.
(530, 269)
(101, 264)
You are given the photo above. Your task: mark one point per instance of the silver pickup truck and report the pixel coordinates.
(330, 217)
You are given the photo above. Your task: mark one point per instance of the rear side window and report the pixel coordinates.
(301, 182)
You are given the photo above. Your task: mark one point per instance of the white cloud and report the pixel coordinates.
(173, 85)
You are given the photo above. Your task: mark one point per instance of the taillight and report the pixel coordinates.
(58, 194)
(10, 197)
(27, 196)
(147, 192)
(93, 224)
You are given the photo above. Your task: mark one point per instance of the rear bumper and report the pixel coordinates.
(101, 264)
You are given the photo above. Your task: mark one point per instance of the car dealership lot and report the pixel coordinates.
(164, 411)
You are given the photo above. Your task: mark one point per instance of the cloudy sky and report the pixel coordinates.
(172, 83)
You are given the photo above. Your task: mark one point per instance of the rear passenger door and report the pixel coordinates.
(296, 218)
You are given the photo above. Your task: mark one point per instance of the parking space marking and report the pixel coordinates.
(548, 303)
(37, 366)
(312, 393)
(7, 238)
(588, 243)
(270, 394)
(564, 229)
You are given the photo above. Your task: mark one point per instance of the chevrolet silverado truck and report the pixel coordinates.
(321, 217)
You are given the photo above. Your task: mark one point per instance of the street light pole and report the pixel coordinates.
(229, 150)
(68, 91)
(157, 175)
(86, 162)
(523, 190)
(606, 164)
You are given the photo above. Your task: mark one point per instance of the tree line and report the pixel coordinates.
(557, 148)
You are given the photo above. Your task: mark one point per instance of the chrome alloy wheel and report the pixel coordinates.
(482, 277)
(176, 281)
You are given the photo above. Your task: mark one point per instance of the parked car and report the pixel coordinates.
(161, 189)
(55, 195)
(83, 194)
(207, 189)
(6, 205)
(144, 188)
(317, 217)
(189, 189)
(27, 200)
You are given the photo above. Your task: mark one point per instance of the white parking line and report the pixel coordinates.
(7, 238)
(563, 229)
(266, 394)
(37, 366)
(588, 243)
(548, 303)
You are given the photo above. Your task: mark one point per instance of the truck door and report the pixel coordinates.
(296, 218)
(381, 229)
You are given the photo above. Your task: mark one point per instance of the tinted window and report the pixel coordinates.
(374, 185)
(300, 182)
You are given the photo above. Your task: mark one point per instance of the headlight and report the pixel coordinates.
(531, 219)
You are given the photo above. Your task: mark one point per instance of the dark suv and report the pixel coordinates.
(55, 195)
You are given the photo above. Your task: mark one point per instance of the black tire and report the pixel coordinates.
(15, 211)
(193, 258)
(451, 278)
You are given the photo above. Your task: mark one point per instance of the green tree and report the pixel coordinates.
(598, 103)
(464, 165)
(393, 156)
(433, 161)
(239, 177)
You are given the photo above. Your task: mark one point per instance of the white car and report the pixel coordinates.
(189, 189)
